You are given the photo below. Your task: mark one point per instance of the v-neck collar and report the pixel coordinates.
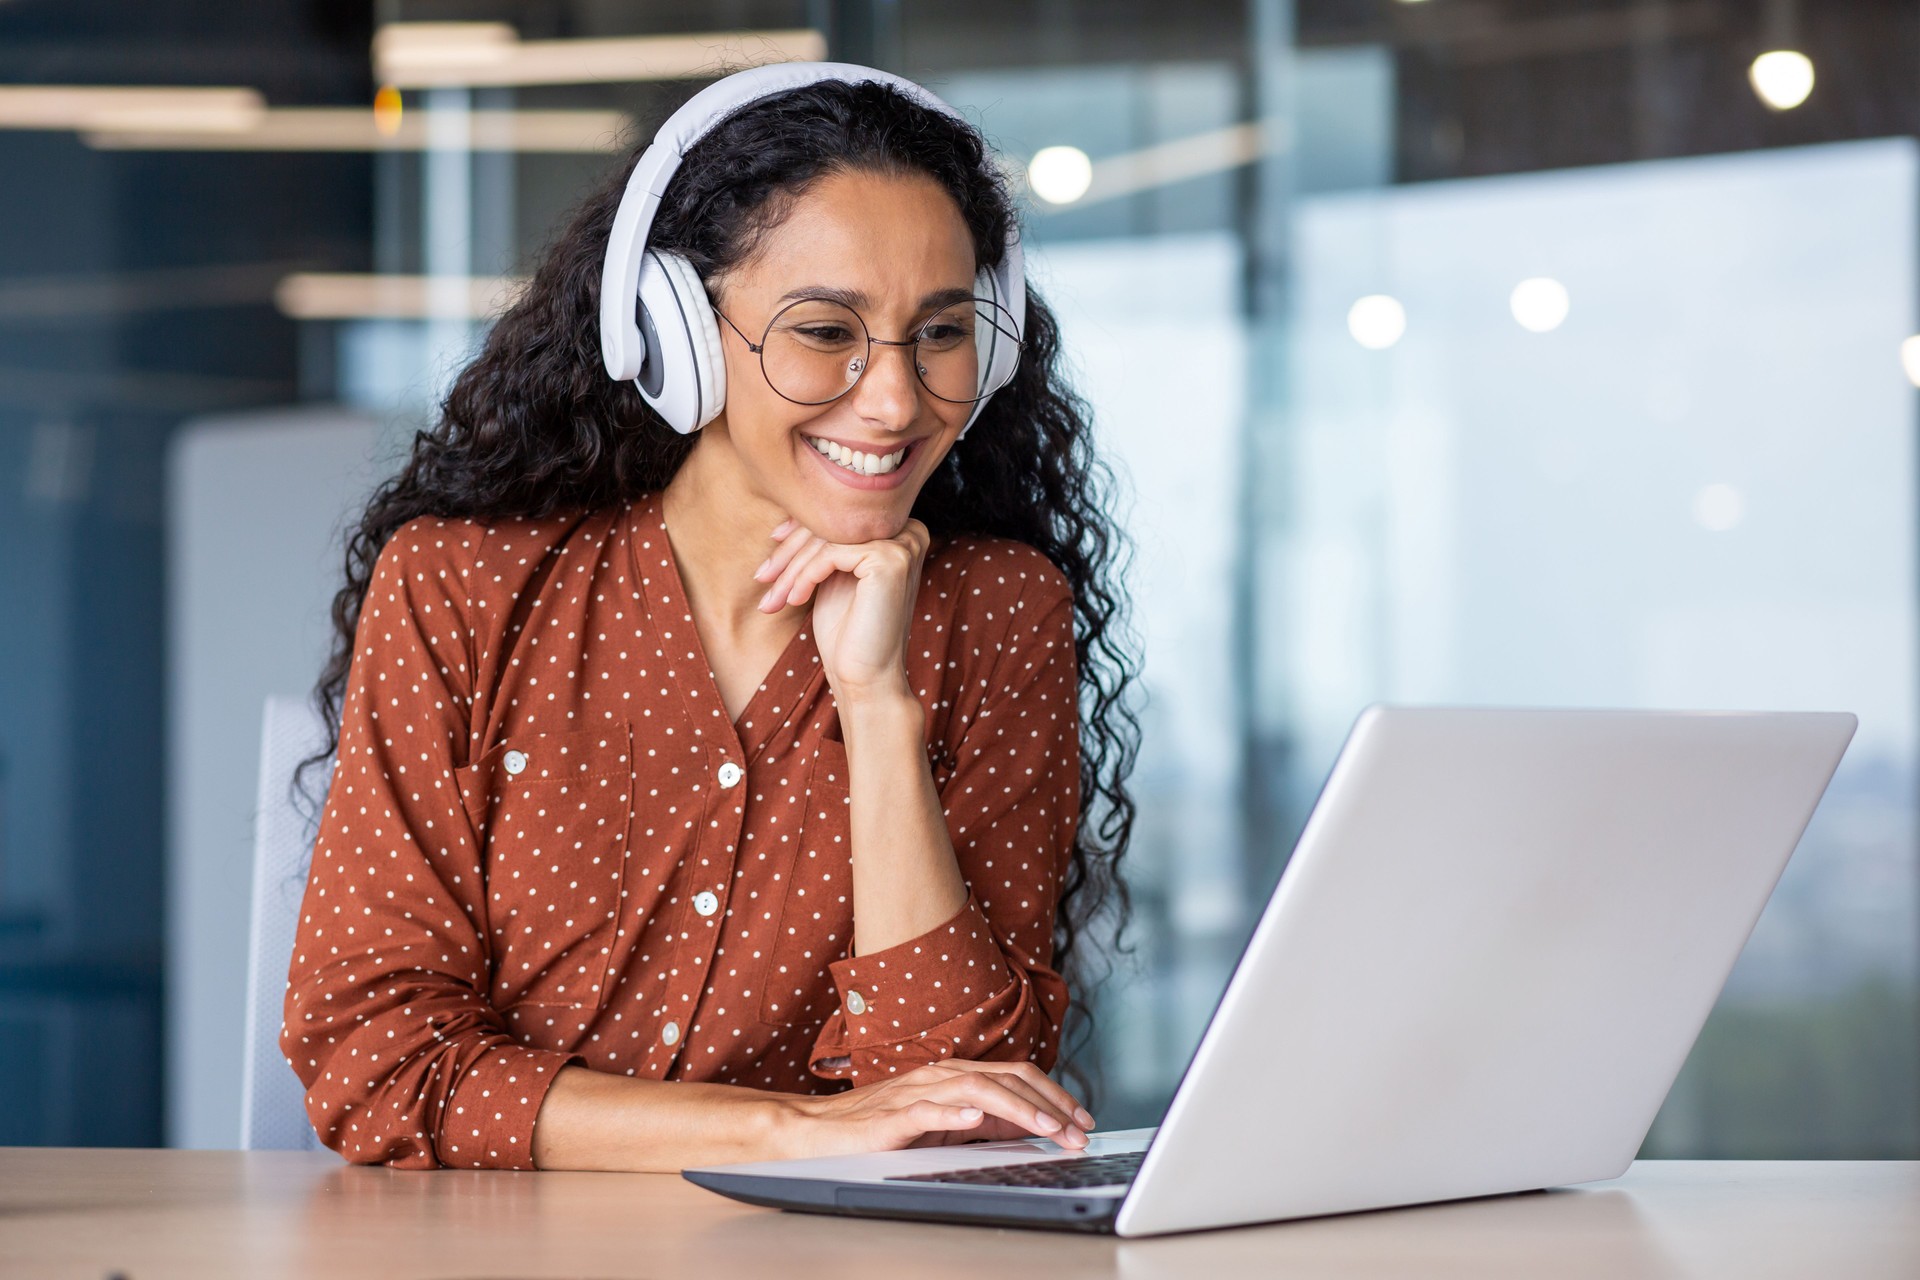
(788, 685)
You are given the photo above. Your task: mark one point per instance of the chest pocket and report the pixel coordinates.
(553, 812)
(815, 918)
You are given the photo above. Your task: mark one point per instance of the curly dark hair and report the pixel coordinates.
(533, 426)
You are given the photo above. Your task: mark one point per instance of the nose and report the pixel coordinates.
(888, 392)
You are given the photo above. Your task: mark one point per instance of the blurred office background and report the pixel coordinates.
(1483, 351)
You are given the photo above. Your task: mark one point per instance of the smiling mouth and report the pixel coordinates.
(866, 464)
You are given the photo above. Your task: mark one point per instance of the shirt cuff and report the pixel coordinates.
(488, 1123)
(895, 994)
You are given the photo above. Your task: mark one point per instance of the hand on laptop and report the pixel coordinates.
(941, 1104)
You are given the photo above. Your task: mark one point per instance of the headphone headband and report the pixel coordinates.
(622, 347)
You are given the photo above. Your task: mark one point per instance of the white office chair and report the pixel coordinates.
(273, 1115)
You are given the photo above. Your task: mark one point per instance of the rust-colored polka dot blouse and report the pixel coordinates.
(546, 843)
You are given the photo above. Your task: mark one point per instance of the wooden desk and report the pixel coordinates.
(208, 1214)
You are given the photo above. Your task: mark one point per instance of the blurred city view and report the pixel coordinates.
(1488, 352)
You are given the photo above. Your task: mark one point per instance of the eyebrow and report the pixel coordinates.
(856, 299)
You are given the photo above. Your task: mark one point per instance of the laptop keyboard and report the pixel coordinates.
(1069, 1174)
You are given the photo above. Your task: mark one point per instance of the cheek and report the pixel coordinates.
(757, 418)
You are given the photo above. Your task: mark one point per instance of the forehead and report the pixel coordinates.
(891, 237)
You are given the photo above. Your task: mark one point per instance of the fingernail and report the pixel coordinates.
(1047, 1123)
(766, 601)
(783, 528)
(970, 1113)
(1080, 1114)
(764, 566)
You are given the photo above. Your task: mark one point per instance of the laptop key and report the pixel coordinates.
(1069, 1174)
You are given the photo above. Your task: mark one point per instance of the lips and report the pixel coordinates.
(866, 462)
(867, 468)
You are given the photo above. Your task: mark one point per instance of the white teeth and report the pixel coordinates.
(867, 464)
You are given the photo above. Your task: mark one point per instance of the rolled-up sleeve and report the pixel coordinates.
(387, 1019)
(980, 985)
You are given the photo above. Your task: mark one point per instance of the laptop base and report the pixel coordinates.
(1063, 1211)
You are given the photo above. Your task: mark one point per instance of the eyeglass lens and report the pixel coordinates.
(815, 350)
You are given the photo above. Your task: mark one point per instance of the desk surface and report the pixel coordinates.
(209, 1214)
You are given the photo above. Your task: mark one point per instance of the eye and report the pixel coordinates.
(825, 333)
(941, 334)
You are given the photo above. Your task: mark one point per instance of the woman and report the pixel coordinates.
(718, 797)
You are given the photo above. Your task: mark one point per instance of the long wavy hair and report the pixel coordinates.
(533, 426)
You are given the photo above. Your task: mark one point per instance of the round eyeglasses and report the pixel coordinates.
(815, 349)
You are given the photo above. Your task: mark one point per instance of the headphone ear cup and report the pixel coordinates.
(709, 360)
(684, 375)
(992, 350)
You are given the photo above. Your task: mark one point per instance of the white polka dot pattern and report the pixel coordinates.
(529, 856)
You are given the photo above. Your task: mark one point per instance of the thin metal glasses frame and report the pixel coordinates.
(919, 370)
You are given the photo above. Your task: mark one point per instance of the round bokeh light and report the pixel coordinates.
(1539, 304)
(1059, 175)
(1377, 321)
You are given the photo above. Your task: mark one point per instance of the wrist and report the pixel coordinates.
(782, 1125)
(877, 713)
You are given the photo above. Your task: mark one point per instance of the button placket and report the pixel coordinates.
(722, 823)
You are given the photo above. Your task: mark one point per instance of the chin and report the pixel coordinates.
(846, 526)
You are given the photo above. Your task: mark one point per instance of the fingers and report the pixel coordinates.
(990, 1129)
(991, 1092)
(928, 1116)
(803, 560)
(793, 538)
(806, 570)
(1056, 1122)
(954, 1101)
(1043, 1084)
(818, 569)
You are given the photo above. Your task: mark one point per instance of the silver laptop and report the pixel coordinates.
(1492, 948)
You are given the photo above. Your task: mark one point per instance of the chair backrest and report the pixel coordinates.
(273, 1114)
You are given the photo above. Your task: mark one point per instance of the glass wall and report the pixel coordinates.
(1504, 353)
(1644, 441)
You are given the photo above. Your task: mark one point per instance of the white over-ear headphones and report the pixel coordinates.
(669, 345)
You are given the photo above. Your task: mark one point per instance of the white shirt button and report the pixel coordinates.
(730, 774)
(515, 761)
(670, 1034)
(705, 903)
(856, 1003)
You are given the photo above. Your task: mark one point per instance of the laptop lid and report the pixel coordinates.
(1496, 940)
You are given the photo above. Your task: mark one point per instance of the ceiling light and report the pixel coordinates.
(559, 132)
(1539, 304)
(425, 55)
(313, 295)
(128, 107)
(1059, 175)
(1377, 321)
(447, 44)
(1782, 78)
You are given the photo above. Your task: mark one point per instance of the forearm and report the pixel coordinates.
(906, 879)
(592, 1120)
